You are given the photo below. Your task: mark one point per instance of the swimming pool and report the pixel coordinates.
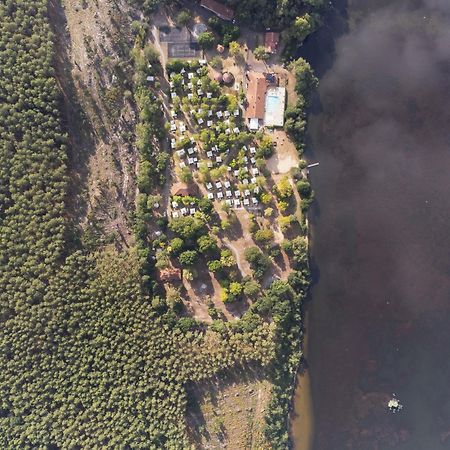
(273, 103)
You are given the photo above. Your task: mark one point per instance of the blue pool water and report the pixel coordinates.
(273, 103)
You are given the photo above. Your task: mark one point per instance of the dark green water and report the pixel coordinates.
(379, 319)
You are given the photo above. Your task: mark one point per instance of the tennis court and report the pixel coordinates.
(183, 50)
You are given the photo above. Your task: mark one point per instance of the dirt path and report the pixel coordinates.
(238, 249)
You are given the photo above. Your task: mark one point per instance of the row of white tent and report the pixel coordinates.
(234, 203)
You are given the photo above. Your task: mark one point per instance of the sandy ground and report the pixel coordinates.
(101, 161)
(285, 156)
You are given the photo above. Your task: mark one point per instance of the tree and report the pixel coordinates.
(214, 266)
(185, 175)
(284, 188)
(285, 222)
(266, 198)
(304, 188)
(263, 236)
(261, 53)
(227, 258)
(206, 40)
(183, 18)
(265, 148)
(162, 259)
(225, 295)
(187, 227)
(151, 54)
(207, 244)
(302, 27)
(235, 289)
(304, 75)
(173, 298)
(225, 224)
(175, 246)
(251, 288)
(298, 249)
(188, 257)
(153, 200)
(283, 205)
(145, 176)
(257, 260)
(217, 172)
(268, 212)
(235, 49)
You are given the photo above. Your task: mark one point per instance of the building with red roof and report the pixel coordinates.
(256, 98)
(271, 41)
(219, 9)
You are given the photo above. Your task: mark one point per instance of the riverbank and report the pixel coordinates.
(302, 417)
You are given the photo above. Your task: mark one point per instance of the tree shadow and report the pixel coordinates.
(202, 285)
(235, 231)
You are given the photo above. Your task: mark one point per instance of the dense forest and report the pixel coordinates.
(89, 359)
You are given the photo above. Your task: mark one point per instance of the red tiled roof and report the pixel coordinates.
(271, 40)
(256, 95)
(219, 9)
(181, 189)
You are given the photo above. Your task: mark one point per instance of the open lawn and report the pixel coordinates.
(229, 412)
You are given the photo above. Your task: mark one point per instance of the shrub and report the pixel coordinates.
(261, 53)
(216, 62)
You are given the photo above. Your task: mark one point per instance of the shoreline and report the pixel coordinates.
(301, 420)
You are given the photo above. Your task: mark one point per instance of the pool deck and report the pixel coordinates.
(274, 111)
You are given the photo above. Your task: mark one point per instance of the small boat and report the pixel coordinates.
(394, 404)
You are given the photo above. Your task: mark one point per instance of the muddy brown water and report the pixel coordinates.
(379, 317)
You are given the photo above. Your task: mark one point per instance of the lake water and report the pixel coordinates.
(379, 317)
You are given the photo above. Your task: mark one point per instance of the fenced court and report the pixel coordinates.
(183, 50)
